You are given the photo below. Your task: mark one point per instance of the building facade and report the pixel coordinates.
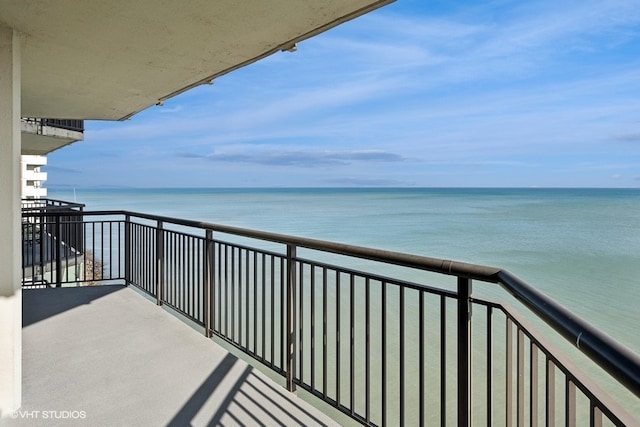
(32, 178)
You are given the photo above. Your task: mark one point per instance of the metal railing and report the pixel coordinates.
(68, 124)
(51, 244)
(376, 346)
(29, 205)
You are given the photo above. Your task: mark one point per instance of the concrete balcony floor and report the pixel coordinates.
(106, 356)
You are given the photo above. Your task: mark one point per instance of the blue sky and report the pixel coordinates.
(418, 93)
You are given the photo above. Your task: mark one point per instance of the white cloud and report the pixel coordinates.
(298, 158)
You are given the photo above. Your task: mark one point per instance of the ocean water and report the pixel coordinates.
(579, 246)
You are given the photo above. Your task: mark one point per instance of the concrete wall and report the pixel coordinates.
(10, 244)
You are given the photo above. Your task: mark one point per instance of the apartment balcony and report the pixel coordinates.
(368, 336)
(105, 355)
(34, 161)
(41, 136)
(31, 192)
(33, 175)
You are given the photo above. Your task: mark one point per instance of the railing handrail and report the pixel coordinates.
(616, 359)
(47, 203)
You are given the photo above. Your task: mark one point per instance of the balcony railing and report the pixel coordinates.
(47, 244)
(68, 124)
(39, 205)
(353, 326)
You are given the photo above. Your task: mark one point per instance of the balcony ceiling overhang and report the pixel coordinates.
(35, 144)
(86, 59)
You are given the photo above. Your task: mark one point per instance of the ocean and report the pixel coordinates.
(581, 247)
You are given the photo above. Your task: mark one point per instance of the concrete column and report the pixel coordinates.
(10, 234)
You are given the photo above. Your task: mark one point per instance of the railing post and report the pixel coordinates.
(208, 281)
(291, 306)
(127, 250)
(42, 221)
(159, 263)
(58, 251)
(464, 352)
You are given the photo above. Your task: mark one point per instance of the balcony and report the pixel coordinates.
(104, 355)
(370, 336)
(73, 125)
(33, 175)
(41, 136)
(31, 192)
(38, 125)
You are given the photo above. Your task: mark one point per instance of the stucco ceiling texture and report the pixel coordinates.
(88, 59)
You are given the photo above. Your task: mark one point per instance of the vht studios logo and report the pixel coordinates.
(51, 415)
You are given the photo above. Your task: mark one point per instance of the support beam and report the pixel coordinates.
(10, 234)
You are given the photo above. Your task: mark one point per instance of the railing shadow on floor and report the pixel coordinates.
(250, 400)
(39, 306)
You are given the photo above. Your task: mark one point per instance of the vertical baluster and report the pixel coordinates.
(44, 223)
(520, 378)
(247, 275)
(301, 323)
(284, 335)
(120, 252)
(221, 268)
(183, 285)
(110, 248)
(402, 357)
(313, 326)
(489, 390)
(159, 262)
(509, 375)
(127, 256)
(150, 260)
(464, 351)
(264, 301)
(324, 332)
(384, 353)
(200, 269)
(60, 250)
(226, 289)
(443, 361)
(421, 328)
(291, 316)
(367, 314)
(338, 344)
(238, 301)
(30, 228)
(193, 260)
(208, 283)
(133, 253)
(273, 276)
(255, 302)
(352, 341)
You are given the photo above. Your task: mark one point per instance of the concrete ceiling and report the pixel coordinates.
(39, 139)
(34, 144)
(89, 59)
